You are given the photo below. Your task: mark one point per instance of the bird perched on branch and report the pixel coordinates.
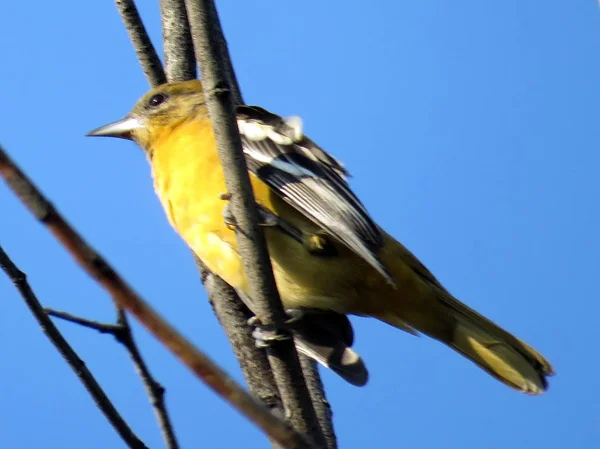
(327, 252)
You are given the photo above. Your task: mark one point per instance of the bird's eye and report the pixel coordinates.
(156, 100)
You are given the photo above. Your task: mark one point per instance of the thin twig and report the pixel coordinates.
(124, 335)
(221, 43)
(319, 400)
(126, 298)
(60, 343)
(103, 328)
(251, 243)
(180, 64)
(144, 49)
(154, 390)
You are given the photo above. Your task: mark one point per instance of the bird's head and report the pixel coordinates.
(158, 111)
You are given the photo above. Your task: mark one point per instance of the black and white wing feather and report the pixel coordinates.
(309, 179)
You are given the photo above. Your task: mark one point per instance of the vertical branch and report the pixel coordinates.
(180, 63)
(154, 390)
(229, 309)
(233, 316)
(320, 402)
(309, 368)
(144, 49)
(252, 247)
(221, 44)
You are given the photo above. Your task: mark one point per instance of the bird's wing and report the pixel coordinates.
(309, 179)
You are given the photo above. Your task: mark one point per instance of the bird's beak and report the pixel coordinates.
(122, 129)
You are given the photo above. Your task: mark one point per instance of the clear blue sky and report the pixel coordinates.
(471, 129)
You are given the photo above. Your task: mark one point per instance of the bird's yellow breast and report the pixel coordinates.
(189, 182)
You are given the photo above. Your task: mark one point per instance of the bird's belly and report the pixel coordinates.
(340, 282)
(303, 280)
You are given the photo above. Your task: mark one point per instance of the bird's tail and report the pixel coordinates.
(501, 354)
(504, 356)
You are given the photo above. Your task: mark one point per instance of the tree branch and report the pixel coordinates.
(309, 368)
(319, 400)
(180, 64)
(60, 343)
(144, 49)
(251, 244)
(126, 298)
(103, 328)
(233, 317)
(229, 309)
(123, 334)
(221, 43)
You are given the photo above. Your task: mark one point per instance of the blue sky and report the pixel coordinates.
(471, 129)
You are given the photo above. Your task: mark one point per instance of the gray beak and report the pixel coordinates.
(122, 129)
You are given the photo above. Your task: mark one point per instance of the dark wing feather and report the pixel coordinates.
(309, 179)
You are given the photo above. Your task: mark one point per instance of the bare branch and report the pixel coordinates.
(60, 343)
(123, 334)
(232, 312)
(310, 370)
(103, 328)
(126, 298)
(229, 309)
(251, 243)
(180, 63)
(154, 390)
(144, 49)
(221, 43)
(319, 400)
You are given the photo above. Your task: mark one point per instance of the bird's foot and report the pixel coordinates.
(265, 218)
(265, 335)
(227, 214)
(317, 244)
(294, 315)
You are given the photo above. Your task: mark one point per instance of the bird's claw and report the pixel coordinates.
(317, 244)
(265, 218)
(228, 217)
(294, 315)
(265, 335)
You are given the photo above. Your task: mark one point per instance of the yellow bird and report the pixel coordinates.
(327, 252)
